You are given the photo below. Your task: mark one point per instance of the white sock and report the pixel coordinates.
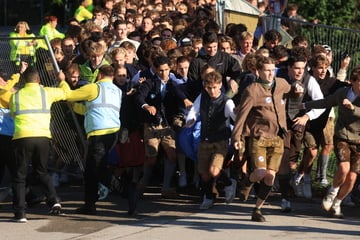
(337, 202)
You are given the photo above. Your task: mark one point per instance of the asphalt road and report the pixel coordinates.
(177, 219)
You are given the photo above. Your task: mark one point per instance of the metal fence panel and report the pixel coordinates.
(341, 40)
(68, 140)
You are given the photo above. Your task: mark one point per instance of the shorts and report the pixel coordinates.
(158, 135)
(293, 141)
(211, 154)
(266, 152)
(348, 152)
(329, 131)
(324, 137)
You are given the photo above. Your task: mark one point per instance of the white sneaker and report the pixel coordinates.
(20, 217)
(182, 180)
(206, 204)
(336, 211)
(230, 191)
(285, 205)
(306, 189)
(328, 200)
(21, 220)
(55, 209)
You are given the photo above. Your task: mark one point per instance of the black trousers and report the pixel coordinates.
(34, 150)
(96, 169)
(7, 156)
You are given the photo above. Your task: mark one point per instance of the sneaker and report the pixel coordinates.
(328, 200)
(306, 189)
(20, 217)
(55, 209)
(285, 205)
(103, 191)
(336, 211)
(86, 209)
(230, 191)
(182, 180)
(206, 204)
(257, 216)
(324, 182)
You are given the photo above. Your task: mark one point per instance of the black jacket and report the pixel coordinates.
(149, 92)
(224, 63)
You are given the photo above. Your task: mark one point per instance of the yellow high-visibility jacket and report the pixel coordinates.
(30, 107)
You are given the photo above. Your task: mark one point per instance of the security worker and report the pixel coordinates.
(22, 49)
(30, 107)
(102, 124)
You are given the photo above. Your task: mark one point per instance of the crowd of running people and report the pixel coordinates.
(158, 83)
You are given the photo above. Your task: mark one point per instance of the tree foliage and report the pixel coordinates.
(57, 2)
(340, 13)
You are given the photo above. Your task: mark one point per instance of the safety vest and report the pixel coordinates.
(20, 47)
(31, 113)
(51, 33)
(81, 14)
(104, 111)
(86, 73)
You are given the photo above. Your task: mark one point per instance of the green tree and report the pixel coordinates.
(340, 13)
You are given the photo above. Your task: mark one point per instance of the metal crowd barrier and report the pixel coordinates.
(68, 139)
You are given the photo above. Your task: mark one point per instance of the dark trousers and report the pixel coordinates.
(96, 169)
(34, 150)
(7, 156)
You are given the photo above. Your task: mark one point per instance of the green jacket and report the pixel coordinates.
(86, 72)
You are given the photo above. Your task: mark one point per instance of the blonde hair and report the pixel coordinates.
(22, 23)
(246, 36)
(95, 48)
(117, 50)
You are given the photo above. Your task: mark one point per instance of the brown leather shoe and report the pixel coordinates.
(257, 216)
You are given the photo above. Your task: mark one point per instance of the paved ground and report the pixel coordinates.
(178, 219)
